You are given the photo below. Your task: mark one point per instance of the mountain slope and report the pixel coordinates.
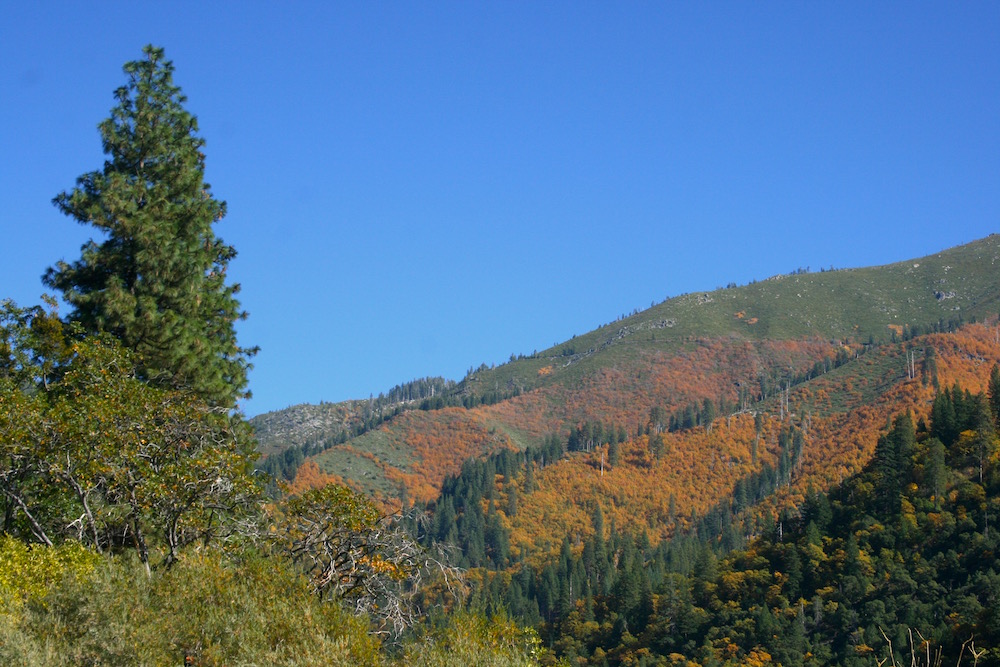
(826, 433)
(735, 349)
(862, 305)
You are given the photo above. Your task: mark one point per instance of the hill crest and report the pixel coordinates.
(765, 347)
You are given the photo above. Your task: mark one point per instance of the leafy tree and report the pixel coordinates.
(103, 457)
(158, 280)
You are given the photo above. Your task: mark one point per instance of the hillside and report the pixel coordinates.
(827, 433)
(860, 305)
(898, 558)
(734, 347)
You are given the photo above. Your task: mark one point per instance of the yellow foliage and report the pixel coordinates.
(757, 657)
(28, 572)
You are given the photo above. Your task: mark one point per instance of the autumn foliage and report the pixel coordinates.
(835, 397)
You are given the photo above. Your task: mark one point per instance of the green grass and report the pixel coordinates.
(520, 439)
(387, 449)
(363, 471)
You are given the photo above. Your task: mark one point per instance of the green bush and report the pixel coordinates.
(473, 640)
(28, 572)
(204, 611)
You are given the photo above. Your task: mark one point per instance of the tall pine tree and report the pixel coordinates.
(157, 282)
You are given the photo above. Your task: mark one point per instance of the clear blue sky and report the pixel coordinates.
(415, 188)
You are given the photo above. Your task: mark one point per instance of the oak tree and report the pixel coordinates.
(89, 451)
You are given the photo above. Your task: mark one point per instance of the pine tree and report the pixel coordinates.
(158, 280)
(994, 395)
(614, 453)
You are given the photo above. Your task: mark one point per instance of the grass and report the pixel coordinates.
(349, 462)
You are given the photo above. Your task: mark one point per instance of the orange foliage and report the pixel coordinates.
(700, 467)
(439, 441)
(697, 469)
(623, 395)
(840, 415)
(309, 476)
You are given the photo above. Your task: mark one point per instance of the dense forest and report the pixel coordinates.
(902, 552)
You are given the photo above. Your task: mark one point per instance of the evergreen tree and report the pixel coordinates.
(944, 422)
(158, 280)
(657, 447)
(707, 414)
(994, 395)
(614, 453)
(935, 472)
(893, 463)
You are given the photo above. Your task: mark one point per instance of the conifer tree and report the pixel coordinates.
(993, 392)
(157, 282)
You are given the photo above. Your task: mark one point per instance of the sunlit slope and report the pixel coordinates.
(736, 347)
(839, 416)
(862, 305)
(303, 424)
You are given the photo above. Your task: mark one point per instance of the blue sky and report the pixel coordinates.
(418, 188)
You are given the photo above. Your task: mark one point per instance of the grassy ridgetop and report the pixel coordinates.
(856, 304)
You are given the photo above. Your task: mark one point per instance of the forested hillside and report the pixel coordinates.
(902, 554)
(823, 344)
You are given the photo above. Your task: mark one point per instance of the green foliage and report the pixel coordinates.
(100, 456)
(29, 572)
(994, 395)
(207, 610)
(157, 282)
(473, 640)
(214, 609)
(32, 344)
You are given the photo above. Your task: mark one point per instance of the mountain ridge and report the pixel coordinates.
(735, 348)
(663, 317)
